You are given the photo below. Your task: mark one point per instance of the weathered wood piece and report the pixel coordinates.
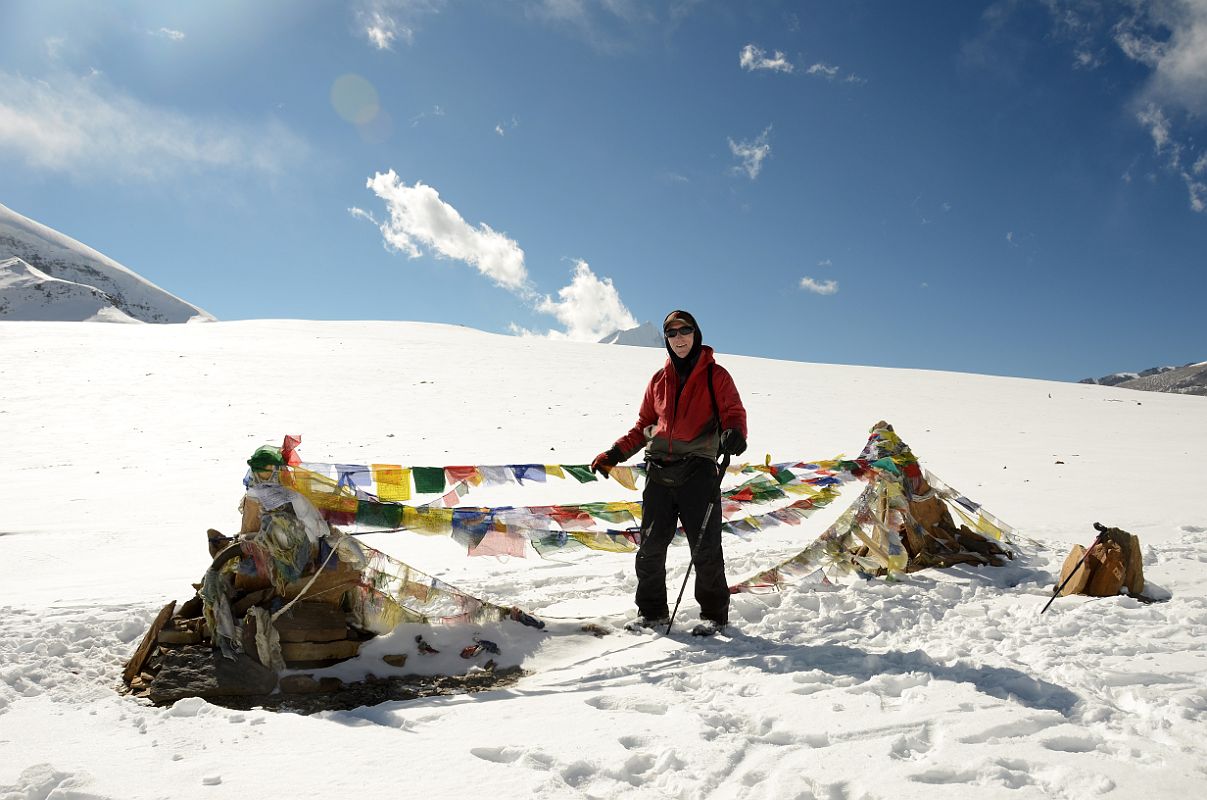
(139, 660)
(311, 621)
(175, 636)
(307, 652)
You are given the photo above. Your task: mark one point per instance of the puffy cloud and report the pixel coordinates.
(752, 58)
(819, 287)
(824, 70)
(752, 153)
(82, 127)
(589, 307)
(420, 220)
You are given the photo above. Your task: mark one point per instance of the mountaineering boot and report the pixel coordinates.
(644, 623)
(708, 627)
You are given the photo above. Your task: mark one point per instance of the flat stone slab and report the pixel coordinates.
(200, 671)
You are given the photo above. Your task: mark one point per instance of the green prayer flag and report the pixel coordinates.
(581, 472)
(378, 515)
(428, 480)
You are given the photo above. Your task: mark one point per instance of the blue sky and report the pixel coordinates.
(1014, 187)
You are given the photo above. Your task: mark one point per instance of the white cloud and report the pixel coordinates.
(1010, 238)
(607, 25)
(825, 263)
(1198, 193)
(502, 128)
(168, 33)
(1084, 59)
(385, 22)
(824, 70)
(589, 307)
(420, 220)
(382, 30)
(436, 111)
(82, 127)
(54, 46)
(819, 287)
(752, 153)
(1157, 124)
(1171, 38)
(752, 58)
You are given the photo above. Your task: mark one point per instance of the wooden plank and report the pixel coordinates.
(143, 652)
(308, 621)
(178, 637)
(319, 651)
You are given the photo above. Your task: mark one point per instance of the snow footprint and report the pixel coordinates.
(1013, 730)
(628, 704)
(912, 746)
(1073, 744)
(498, 755)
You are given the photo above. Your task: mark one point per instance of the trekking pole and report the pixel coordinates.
(1101, 535)
(724, 465)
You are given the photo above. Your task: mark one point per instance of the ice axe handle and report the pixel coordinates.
(1098, 526)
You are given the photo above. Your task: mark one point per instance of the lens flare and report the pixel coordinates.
(355, 99)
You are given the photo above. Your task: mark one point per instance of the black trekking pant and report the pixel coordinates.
(663, 507)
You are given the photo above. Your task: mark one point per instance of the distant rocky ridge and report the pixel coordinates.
(45, 275)
(644, 335)
(1189, 379)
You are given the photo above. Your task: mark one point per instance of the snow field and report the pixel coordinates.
(125, 442)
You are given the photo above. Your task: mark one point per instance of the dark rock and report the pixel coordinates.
(199, 671)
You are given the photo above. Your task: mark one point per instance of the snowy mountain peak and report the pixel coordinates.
(27, 293)
(49, 276)
(644, 335)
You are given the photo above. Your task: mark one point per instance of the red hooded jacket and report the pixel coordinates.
(670, 429)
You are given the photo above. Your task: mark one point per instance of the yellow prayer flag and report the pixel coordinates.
(623, 476)
(602, 541)
(427, 520)
(983, 525)
(555, 470)
(393, 482)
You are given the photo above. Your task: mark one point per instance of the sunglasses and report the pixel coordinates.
(686, 330)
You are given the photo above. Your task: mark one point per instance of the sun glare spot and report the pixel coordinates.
(355, 99)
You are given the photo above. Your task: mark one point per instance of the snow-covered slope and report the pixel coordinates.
(644, 335)
(27, 293)
(941, 685)
(60, 257)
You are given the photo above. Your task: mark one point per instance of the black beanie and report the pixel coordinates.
(692, 354)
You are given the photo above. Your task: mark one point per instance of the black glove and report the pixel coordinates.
(604, 462)
(732, 442)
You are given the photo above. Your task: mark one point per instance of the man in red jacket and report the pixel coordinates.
(690, 413)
